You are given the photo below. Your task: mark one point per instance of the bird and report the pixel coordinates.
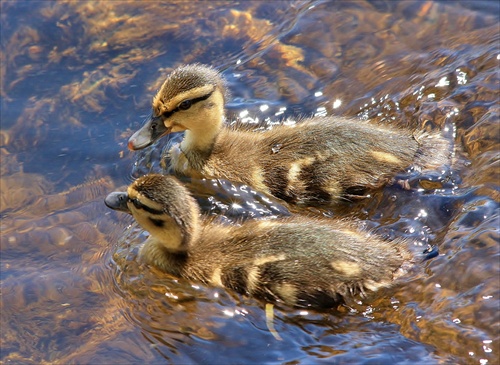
(318, 160)
(298, 261)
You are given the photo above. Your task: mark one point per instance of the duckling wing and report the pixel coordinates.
(319, 162)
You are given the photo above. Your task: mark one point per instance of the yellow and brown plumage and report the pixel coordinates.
(298, 261)
(321, 159)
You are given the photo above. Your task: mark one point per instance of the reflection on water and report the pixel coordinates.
(77, 78)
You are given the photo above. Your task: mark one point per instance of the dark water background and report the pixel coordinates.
(77, 79)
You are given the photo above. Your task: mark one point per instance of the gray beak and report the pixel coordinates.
(148, 134)
(117, 201)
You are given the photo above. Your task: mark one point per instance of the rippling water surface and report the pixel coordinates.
(77, 79)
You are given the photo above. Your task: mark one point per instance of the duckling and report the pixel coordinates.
(298, 261)
(318, 160)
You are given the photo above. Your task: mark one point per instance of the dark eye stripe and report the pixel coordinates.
(193, 101)
(157, 222)
(139, 205)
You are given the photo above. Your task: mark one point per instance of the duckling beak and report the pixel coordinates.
(148, 134)
(117, 201)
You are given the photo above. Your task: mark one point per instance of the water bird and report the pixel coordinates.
(318, 160)
(297, 261)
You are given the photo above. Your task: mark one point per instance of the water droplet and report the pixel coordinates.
(276, 148)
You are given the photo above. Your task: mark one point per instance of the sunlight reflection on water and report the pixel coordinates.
(76, 78)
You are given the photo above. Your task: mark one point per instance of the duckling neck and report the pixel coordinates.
(199, 140)
(155, 253)
(198, 145)
(168, 253)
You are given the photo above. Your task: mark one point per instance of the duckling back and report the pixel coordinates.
(319, 160)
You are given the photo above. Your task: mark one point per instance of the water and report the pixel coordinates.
(77, 79)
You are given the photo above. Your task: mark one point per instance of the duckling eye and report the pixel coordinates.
(185, 105)
(138, 205)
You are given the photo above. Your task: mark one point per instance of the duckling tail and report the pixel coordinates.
(434, 150)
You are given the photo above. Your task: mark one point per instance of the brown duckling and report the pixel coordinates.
(299, 261)
(317, 160)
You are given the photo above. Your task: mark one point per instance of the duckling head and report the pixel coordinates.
(161, 206)
(191, 99)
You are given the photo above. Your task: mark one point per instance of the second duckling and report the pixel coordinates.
(297, 261)
(318, 160)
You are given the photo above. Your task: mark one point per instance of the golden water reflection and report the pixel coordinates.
(77, 79)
